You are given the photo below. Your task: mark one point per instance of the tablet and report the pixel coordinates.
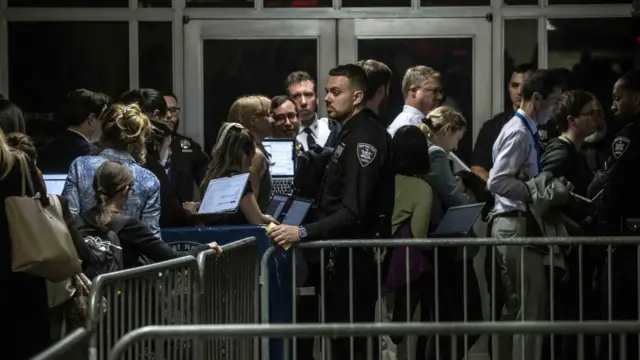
(223, 194)
(54, 183)
(458, 221)
(288, 209)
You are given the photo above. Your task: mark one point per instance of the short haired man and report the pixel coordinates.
(286, 121)
(379, 80)
(301, 87)
(516, 155)
(81, 114)
(422, 93)
(356, 201)
(481, 159)
(188, 162)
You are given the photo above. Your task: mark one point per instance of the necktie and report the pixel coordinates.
(310, 139)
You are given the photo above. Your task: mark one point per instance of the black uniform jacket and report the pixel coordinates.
(358, 187)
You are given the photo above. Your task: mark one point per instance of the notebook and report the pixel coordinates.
(224, 194)
(288, 209)
(458, 221)
(54, 183)
(283, 163)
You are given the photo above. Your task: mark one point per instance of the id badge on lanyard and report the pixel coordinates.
(534, 138)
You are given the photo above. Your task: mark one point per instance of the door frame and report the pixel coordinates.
(197, 31)
(479, 29)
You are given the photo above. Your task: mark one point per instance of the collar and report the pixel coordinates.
(79, 133)
(364, 114)
(313, 126)
(412, 111)
(532, 123)
(115, 155)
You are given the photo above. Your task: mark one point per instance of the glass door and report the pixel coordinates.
(226, 59)
(460, 49)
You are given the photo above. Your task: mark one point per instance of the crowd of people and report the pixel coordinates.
(550, 166)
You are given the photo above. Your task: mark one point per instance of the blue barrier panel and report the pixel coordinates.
(280, 276)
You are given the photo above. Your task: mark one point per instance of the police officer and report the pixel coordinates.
(620, 211)
(355, 202)
(188, 161)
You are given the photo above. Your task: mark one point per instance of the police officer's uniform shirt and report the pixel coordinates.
(359, 182)
(513, 151)
(408, 116)
(482, 152)
(188, 166)
(621, 196)
(319, 130)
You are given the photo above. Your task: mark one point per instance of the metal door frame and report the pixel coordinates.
(479, 29)
(197, 31)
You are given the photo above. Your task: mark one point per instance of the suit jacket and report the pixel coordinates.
(172, 214)
(57, 156)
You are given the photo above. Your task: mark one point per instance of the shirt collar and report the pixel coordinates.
(313, 126)
(412, 111)
(532, 124)
(115, 155)
(79, 133)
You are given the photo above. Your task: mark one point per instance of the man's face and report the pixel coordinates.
(286, 121)
(341, 99)
(429, 94)
(305, 97)
(515, 89)
(624, 101)
(546, 107)
(174, 111)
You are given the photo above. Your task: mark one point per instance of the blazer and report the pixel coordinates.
(57, 156)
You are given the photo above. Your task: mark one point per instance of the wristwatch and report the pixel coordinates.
(302, 232)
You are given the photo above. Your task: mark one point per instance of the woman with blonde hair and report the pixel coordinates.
(444, 128)
(233, 154)
(125, 129)
(23, 297)
(254, 113)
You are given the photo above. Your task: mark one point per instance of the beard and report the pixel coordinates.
(176, 124)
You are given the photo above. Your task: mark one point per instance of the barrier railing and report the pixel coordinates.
(159, 333)
(75, 346)
(230, 296)
(519, 281)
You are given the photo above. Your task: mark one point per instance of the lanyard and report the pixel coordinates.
(535, 138)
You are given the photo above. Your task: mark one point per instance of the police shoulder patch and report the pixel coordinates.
(619, 146)
(366, 154)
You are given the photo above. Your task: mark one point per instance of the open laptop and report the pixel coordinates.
(288, 209)
(283, 160)
(223, 195)
(54, 183)
(458, 221)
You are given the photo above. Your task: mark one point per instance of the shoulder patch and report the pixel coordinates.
(619, 146)
(366, 154)
(185, 144)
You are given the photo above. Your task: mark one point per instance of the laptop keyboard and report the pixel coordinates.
(282, 186)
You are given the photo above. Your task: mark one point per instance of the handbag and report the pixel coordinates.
(41, 244)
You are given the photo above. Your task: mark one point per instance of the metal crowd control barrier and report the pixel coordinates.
(73, 347)
(230, 296)
(159, 333)
(496, 249)
(163, 293)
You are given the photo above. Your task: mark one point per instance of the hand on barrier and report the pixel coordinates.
(284, 235)
(214, 245)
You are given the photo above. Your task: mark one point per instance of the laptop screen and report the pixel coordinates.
(459, 220)
(54, 182)
(288, 210)
(283, 156)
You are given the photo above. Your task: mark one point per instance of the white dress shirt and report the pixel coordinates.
(408, 116)
(319, 130)
(513, 151)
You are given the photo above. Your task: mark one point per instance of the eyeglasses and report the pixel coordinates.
(278, 118)
(174, 110)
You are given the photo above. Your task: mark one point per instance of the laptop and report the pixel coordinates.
(288, 209)
(223, 195)
(458, 221)
(54, 183)
(283, 163)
